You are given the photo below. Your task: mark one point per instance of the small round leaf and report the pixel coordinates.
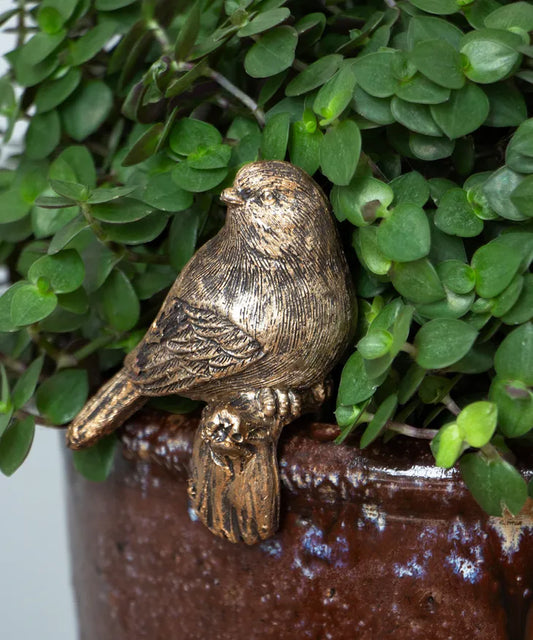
(315, 75)
(119, 303)
(464, 112)
(495, 266)
(355, 386)
(494, 483)
(26, 384)
(64, 271)
(477, 422)
(96, 463)
(491, 55)
(378, 73)
(404, 236)
(31, 304)
(86, 111)
(15, 444)
(417, 281)
(384, 413)
(276, 137)
(441, 342)
(515, 406)
(188, 134)
(375, 344)
(457, 276)
(272, 53)
(43, 135)
(264, 21)
(161, 192)
(455, 216)
(439, 62)
(361, 200)
(339, 152)
(447, 445)
(514, 357)
(62, 396)
(197, 180)
(410, 188)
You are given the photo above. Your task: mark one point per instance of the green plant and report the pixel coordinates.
(413, 115)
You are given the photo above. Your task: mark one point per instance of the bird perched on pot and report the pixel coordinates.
(252, 326)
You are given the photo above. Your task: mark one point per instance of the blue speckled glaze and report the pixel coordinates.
(271, 547)
(192, 514)
(466, 557)
(312, 543)
(315, 551)
(463, 534)
(372, 545)
(306, 571)
(413, 569)
(468, 568)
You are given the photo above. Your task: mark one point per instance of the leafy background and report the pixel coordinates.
(34, 514)
(412, 115)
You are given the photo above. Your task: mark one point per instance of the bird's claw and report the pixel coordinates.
(279, 403)
(321, 391)
(224, 428)
(290, 404)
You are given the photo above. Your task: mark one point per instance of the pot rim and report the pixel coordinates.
(314, 468)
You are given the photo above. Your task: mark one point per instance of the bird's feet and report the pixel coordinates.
(278, 403)
(225, 432)
(287, 405)
(233, 429)
(234, 487)
(223, 426)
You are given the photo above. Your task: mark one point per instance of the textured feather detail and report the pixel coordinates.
(236, 496)
(187, 346)
(116, 401)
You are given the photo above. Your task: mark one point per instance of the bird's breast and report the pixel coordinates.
(296, 310)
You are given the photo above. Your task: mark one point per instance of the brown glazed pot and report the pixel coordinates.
(372, 545)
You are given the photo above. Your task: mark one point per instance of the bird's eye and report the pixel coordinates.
(268, 197)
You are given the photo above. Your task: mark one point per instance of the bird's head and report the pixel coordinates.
(276, 206)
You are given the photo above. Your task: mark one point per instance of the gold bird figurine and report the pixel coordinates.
(252, 326)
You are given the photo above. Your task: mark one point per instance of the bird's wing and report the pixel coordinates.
(188, 346)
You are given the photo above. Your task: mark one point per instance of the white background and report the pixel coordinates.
(36, 599)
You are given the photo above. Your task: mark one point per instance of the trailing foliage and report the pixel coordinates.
(413, 116)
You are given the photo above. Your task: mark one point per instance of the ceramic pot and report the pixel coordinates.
(372, 545)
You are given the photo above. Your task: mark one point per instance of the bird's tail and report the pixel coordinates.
(116, 401)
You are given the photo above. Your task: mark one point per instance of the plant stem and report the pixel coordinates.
(412, 432)
(450, 404)
(160, 36)
(490, 451)
(20, 414)
(44, 344)
(120, 251)
(237, 93)
(147, 258)
(221, 80)
(21, 26)
(408, 409)
(298, 65)
(409, 348)
(93, 346)
(94, 224)
(400, 427)
(15, 365)
(376, 171)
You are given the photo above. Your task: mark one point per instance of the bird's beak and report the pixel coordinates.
(230, 196)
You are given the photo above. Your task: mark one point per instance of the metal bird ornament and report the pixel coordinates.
(252, 326)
